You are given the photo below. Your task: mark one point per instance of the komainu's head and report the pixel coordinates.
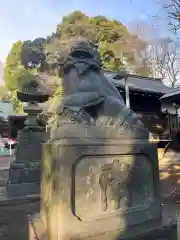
(79, 50)
(83, 48)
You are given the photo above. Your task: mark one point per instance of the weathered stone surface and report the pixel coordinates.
(155, 232)
(22, 189)
(24, 172)
(100, 177)
(98, 187)
(29, 146)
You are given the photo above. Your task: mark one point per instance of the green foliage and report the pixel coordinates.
(18, 78)
(18, 105)
(4, 94)
(13, 58)
(12, 62)
(119, 50)
(109, 60)
(15, 74)
(32, 53)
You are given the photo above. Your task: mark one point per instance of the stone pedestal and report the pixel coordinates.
(97, 187)
(24, 173)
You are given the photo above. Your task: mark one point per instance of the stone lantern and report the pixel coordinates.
(24, 174)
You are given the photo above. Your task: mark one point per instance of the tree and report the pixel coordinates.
(164, 60)
(161, 54)
(15, 74)
(173, 10)
(4, 94)
(17, 105)
(12, 62)
(118, 49)
(32, 53)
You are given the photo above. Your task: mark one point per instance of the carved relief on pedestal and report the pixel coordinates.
(104, 185)
(113, 182)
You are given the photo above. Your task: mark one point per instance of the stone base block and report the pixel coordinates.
(22, 189)
(146, 231)
(36, 230)
(24, 172)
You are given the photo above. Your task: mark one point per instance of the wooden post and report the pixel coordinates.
(169, 125)
(127, 92)
(176, 116)
(10, 149)
(9, 128)
(177, 123)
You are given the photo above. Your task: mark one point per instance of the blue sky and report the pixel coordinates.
(21, 20)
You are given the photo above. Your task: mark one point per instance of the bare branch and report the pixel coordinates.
(164, 59)
(173, 10)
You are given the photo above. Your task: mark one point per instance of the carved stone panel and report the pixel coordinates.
(104, 185)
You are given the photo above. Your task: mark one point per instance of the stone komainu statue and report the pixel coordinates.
(99, 172)
(90, 98)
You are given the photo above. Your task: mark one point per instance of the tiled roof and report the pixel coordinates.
(172, 93)
(143, 84)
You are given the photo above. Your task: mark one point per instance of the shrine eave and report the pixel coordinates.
(139, 84)
(172, 96)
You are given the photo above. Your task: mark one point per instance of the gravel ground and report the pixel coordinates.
(14, 219)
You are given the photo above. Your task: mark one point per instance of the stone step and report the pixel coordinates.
(23, 189)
